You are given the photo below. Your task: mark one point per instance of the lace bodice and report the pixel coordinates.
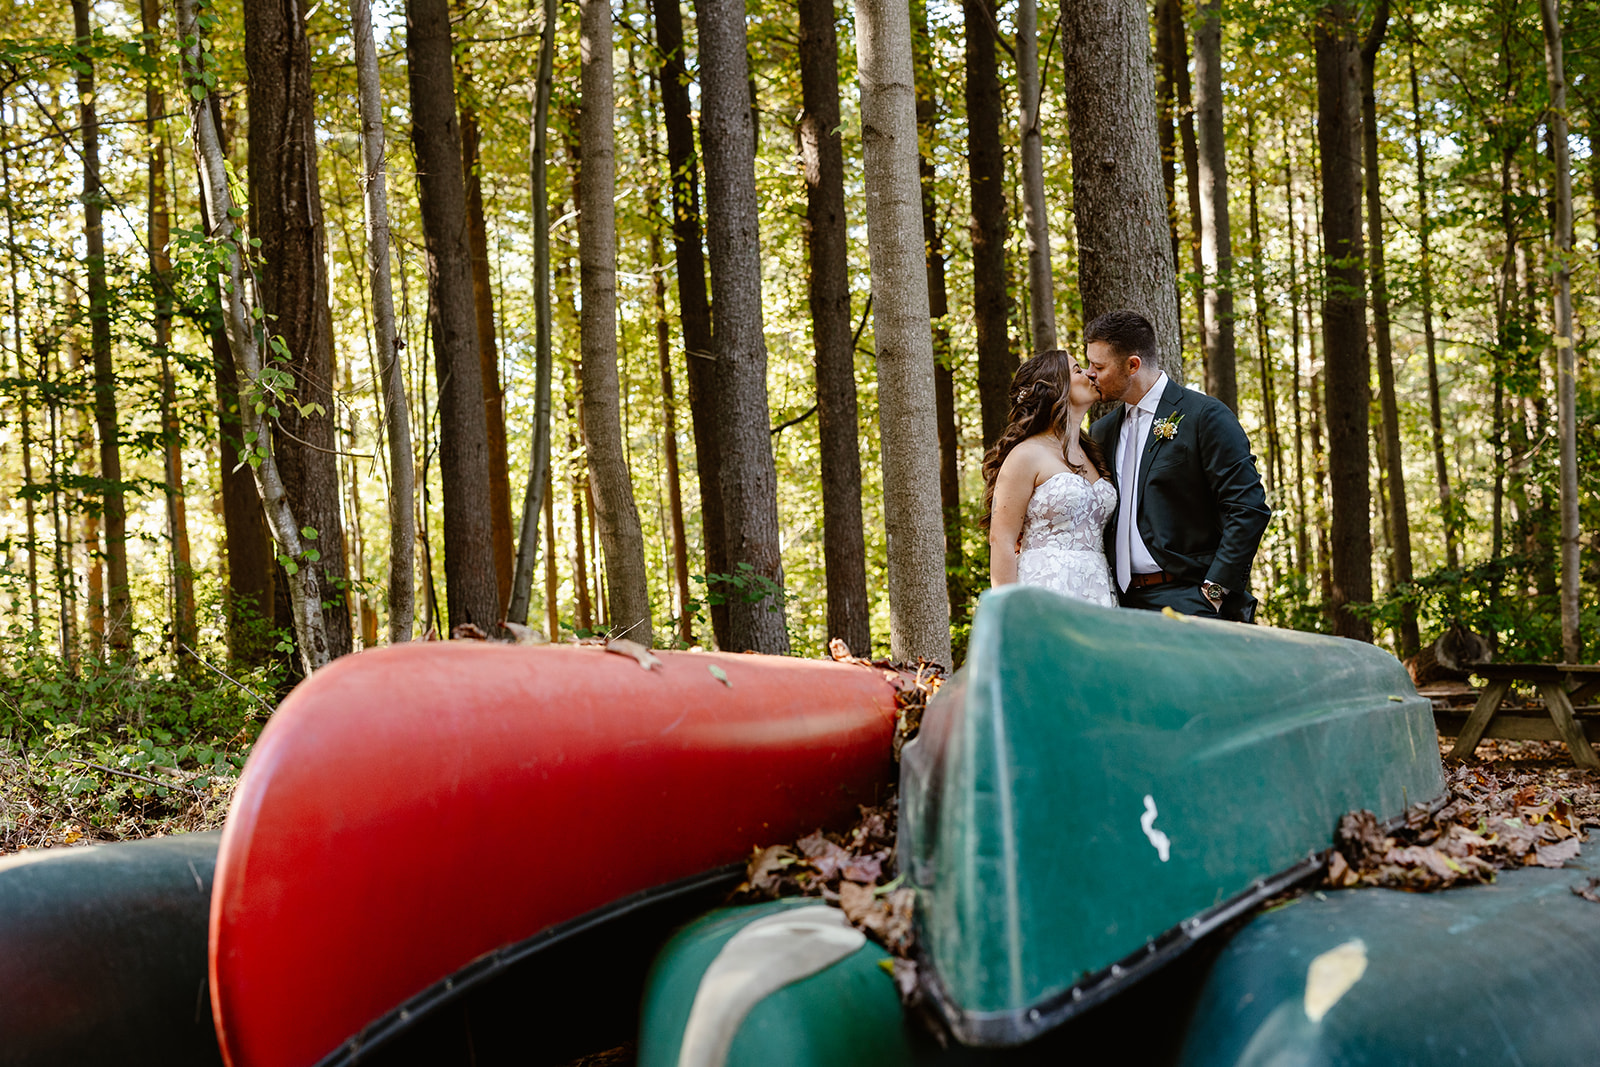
(1063, 545)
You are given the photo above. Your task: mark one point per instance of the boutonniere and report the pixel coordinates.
(1166, 429)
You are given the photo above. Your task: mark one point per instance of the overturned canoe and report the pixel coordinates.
(1096, 789)
(103, 955)
(417, 820)
(787, 984)
(1507, 973)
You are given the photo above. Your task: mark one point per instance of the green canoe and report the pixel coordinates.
(1507, 973)
(770, 1009)
(1096, 789)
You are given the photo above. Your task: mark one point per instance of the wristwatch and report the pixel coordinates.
(1213, 592)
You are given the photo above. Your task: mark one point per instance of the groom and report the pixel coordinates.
(1190, 510)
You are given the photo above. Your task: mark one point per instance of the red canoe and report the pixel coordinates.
(412, 808)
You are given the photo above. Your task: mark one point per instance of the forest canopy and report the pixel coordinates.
(656, 281)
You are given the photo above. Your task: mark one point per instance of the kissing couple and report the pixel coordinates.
(1159, 505)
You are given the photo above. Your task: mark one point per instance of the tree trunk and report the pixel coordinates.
(694, 308)
(1566, 351)
(1269, 386)
(244, 344)
(1399, 517)
(471, 583)
(291, 270)
(397, 420)
(1302, 531)
(1035, 212)
(669, 438)
(23, 416)
(119, 601)
(986, 170)
(1344, 333)
(1179, 43)
(539, 486)
(944, 379)
(1124, 250)
(1166, 128)
(628, 600)
(919, 611)
(822, 160)
(158, 230)
(749, 475)
(1425, 263)
(552, 611)
(1216, 242)
(494, 397)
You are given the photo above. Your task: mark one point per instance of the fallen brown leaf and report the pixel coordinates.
(1556, 855)
(643, 656)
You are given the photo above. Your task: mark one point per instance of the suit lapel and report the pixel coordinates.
(1166, 408)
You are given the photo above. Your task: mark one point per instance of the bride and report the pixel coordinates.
(1048, 488)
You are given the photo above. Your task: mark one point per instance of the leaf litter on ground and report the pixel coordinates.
(1509, 811)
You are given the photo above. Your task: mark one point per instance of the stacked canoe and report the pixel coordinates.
(469, 853)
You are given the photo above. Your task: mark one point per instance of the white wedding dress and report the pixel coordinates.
(1063, 545)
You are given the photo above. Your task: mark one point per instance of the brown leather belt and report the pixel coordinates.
(1139, 581)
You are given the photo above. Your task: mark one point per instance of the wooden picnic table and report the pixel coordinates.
(1563, 687)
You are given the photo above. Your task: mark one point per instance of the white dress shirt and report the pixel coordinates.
(1144, 413)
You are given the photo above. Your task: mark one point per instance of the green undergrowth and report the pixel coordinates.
(115, 751)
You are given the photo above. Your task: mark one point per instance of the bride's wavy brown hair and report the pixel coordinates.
(1039, 404)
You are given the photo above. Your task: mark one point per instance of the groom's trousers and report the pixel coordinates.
(1186, 599)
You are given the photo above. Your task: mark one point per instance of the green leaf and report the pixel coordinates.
(719, 674)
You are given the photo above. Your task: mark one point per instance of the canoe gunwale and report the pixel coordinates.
(395, 1022)
(1007, 1029)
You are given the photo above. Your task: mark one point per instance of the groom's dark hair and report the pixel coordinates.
(1128, 333)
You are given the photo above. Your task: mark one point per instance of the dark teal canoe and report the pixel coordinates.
(103, 955)
(1096, 789)
(1507, 973)
(847, 1013)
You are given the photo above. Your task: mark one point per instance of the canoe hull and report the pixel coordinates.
(411, 809)
(103, 955)
(1098, 788)
(1507, 973)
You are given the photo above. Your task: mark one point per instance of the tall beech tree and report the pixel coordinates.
(291, 268)
(944, 383)
(246, 339)
(627, 595)
(252, 593)
(113, 509)
(471, 579)
(539, 492)
(1344, 328)
(919, 608)
(749, 473)
(1441, 471)
(1035, 212)
(1565, 341)
(694, 306)
(158, 230)
(396, 411)
(494, 396)
(990, 222)
(827, 239)
(1177, 66)
(1216, 239)
(1124, 245)
(1389, 407)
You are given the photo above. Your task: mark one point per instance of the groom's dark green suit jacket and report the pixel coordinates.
(1202, 510)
